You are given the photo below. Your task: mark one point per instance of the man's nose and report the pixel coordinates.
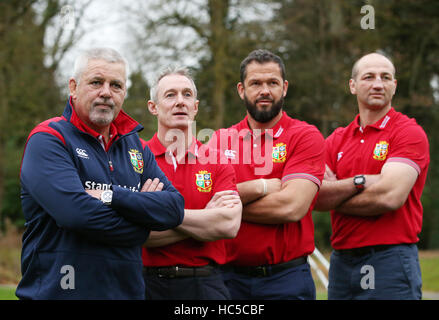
(180, 99)
(378, 83)
(105, 90)
(265, 90)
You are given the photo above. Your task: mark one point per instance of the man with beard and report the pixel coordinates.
(279, 165)
(376, 170)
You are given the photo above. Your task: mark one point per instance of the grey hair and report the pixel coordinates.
(106, 54)
(183, 71)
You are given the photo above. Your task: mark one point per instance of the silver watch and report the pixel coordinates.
(106, 197)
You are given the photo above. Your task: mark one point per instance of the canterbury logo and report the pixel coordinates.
(231, 154)
(81, 153)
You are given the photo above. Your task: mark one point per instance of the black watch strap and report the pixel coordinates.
(359, 182)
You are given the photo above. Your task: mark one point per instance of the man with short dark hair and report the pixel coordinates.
(279, 165)
(375, 173)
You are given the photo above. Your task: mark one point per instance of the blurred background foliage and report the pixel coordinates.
(319, 41)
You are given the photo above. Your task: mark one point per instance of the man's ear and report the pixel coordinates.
(72, 87)
(152, 107)
(352, 86)
(285, 90)
(240, 88)
(197, 102)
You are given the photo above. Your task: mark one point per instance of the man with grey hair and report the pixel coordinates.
(182, 263)
(376, 169)
(81, 175)
(172, 70)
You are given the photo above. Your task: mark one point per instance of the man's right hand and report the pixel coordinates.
(226, 198)
(152, 185)
(252, 190)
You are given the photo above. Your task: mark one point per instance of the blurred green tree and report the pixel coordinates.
(29, 93)
(136, 105)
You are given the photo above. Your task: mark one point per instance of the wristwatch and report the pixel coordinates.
(359, 182)
(106, 197)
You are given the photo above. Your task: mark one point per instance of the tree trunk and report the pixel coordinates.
(3, 112)
(218, 10)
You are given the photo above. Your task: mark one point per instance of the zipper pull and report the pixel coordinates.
(111, 165)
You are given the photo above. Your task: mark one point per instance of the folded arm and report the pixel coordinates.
(220, 219)
(289, 204)
(156, 210)
(252, 190)
(164, 238)
(50, 178)
(388, 193)
(334, 192)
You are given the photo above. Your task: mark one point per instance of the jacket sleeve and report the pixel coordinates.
(50, 177)
(157, 210)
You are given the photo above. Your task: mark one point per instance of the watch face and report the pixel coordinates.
(107, 196)
(359, 180)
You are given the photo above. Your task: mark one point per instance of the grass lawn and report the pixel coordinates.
(7, 293)
(429, 261)
(322, 295)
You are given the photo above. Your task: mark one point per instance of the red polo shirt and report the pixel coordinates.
(292, 149)
(197, 177)
(354, 150)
